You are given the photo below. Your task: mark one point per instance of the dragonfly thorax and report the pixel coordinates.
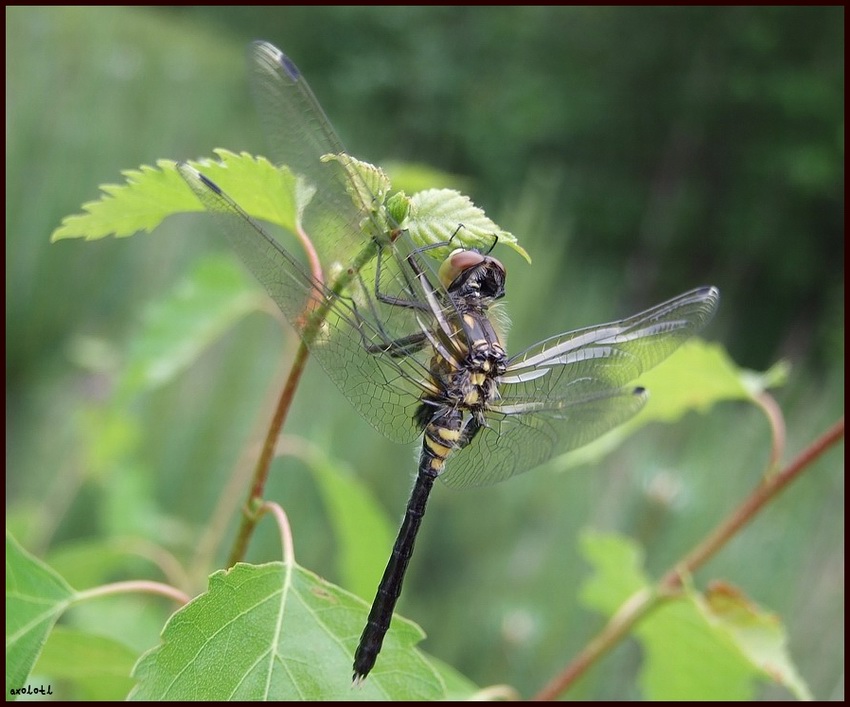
(465, 371)
(468, 353)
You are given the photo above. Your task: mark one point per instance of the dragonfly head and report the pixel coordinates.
(470, 273)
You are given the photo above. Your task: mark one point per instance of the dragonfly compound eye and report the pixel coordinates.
(456, 264)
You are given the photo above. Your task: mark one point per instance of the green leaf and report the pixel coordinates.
(278, 632)
(436, 215)
(457, 686)
(618, 570)
(372, 185)
(152, 194)
(696, 377)
(177, 328)
(35, 598)
(711, 647)
(98, 667)
(364, 535)
(759, 634)
(273, 194)
(398, 207)
(263, 190)
(773, 377)
(688, 659)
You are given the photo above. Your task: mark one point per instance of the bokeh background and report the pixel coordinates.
(635, 152)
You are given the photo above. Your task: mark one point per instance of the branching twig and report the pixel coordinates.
(644, 601)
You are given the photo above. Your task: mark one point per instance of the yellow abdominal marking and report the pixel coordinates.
(449, 435)
(437, 464)
(439, 450)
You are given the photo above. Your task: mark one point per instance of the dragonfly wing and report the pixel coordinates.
(514, 443)
(567, 390)
(612, 354)
(294, 121)
(339, 217)
(352, 343)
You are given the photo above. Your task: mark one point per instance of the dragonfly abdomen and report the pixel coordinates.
(389, 589)
(442, 435)
(444, 432)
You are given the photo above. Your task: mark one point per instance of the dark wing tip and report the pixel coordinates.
(210, 183)
(272, 56)
(192, 176)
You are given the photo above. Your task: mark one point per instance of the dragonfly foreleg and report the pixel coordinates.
(396, 348)
(392, 300)
(399, 348)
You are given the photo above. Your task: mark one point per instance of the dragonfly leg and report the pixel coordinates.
(411, 303)
(402, 346)
(397, 348)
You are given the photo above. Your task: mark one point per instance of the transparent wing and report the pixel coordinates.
(567, 390)
(351, 344)
(513, 444)
(339, 217)
(612, 354)
(342, 218)
(371, 298)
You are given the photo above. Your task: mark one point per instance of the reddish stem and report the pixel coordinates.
(251, 510)
(641, 603)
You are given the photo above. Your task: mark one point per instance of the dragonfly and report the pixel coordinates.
(412, 341)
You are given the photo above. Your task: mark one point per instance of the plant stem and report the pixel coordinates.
(250, 514)
(773, 412)
(315, 313)
(145, 586)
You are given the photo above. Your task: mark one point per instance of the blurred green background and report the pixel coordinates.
(635, 152)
